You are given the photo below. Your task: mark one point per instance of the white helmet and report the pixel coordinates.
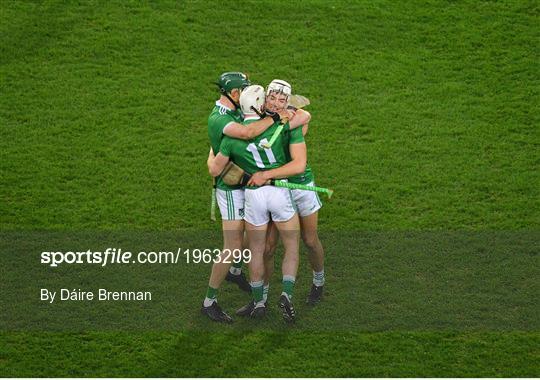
(279, 86)
(252, 99)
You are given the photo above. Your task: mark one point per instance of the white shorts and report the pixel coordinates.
(307, 202)
(268, 201)
(231, 204)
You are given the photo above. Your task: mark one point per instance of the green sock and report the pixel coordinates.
(257, 291)
(211, 297)
(288, 285)
(266, 288)
(211, 293)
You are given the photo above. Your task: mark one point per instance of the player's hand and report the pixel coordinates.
(286, 114)
(258, 179)
(274, 115)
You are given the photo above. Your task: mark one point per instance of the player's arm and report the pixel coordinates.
(297, 165)
(247, 132)
(301, 117)
(210, 159)
(216, 165)
(305, 128)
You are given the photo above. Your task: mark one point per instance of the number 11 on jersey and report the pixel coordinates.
(257, 156)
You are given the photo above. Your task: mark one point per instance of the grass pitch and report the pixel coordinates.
(425, 118)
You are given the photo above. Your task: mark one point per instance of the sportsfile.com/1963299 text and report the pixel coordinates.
(119, 256)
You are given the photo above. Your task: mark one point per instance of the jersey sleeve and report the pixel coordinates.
(216, 125)
(296, 136)
(226, 146)
(222, 121)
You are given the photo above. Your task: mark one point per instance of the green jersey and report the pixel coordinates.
(295, 136)
(219, 118)
(251, 156)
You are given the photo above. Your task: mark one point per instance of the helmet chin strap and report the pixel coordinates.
(261, 115)
(223, 92)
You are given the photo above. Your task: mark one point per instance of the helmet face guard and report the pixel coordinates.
(278, 94)
(280, 87)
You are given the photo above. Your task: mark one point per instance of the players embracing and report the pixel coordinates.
(267, 209)
(226, 120)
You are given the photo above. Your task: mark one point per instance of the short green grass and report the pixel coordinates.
(425, 118)
(265, 354)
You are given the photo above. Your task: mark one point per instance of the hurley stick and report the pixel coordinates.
(298, 186)
(213, 202)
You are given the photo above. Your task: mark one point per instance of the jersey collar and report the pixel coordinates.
(218, 103)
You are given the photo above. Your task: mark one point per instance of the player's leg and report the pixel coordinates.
(289, 232)
(286, 219)
(308, 204)
(233, 233)
(236, 206)
(257, 219)
(290, 236)
(311, 239)
(237, 276)
(235, 273)
(257, 242)
(231, 205)
(272, 237)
